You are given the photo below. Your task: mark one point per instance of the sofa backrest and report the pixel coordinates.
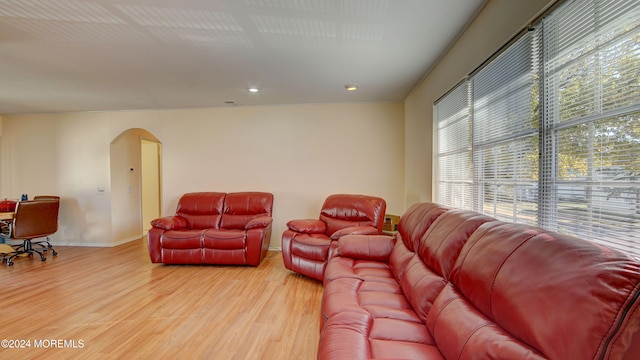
(440, 246)
(202, 210)
(425, 274)
(523, 292)
(340, 211)
(241, 207)
(415, 222)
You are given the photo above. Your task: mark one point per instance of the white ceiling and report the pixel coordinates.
(77, 55)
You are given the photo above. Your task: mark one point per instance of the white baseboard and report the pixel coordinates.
(124, 241)
(119, 242)
(83, 244)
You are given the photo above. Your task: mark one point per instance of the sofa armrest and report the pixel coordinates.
(170, 223)
(354, 230)
(366, 247)
(308, 226)
(259, 222)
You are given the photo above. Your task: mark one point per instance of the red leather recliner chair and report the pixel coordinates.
(307, 244)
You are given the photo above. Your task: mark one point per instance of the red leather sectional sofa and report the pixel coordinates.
(214, 228)
(456, 284)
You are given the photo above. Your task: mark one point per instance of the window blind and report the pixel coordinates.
(505, 135)
(453, 154)
(592, 57)
(552, 127)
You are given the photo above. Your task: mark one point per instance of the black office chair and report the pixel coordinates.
(32, 220)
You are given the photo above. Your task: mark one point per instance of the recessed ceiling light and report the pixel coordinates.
(253, 90)
(351, 87)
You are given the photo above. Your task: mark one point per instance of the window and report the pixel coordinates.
(548, 132)
(454, 157)
(505, 134)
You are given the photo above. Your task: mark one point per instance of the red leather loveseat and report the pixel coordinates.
(456, 284)
(214, 228)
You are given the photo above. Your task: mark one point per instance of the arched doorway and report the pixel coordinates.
(136, 186)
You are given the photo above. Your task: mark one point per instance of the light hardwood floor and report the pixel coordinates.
(112, 303)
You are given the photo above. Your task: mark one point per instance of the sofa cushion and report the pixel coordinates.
(421, 285)
(360, 336)
(224, 239)
(463, 332)
(415, 222)
(440, 246)
(311, 246)
(379, 299)
(181, 239)
(202, 210)
(241, 207)
(347, 267)
(224, 256)
(346, 336)
(181, 256)
(346, 210)
(373, 247)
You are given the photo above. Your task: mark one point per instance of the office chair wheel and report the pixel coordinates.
(53, 252)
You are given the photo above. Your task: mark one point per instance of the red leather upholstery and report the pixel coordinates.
(307, 244)
(459, 285)
(214, 228)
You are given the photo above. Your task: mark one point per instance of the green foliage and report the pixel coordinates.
(600, 85)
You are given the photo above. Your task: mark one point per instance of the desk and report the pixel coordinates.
(6, 215)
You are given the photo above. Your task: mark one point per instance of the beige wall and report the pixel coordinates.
(300, 153)
(498, 22)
